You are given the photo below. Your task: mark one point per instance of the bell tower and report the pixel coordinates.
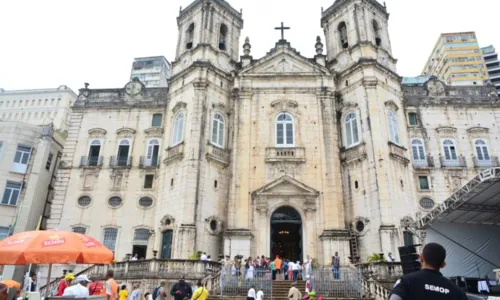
(209, 29)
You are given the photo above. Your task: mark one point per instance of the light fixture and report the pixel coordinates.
(284, 232)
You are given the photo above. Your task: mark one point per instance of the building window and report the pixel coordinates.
(153, 153)
(122, 158)
(393, 127)
(141, 235)
(222, 37)
(79, 229)
(412, 119)
(218, 130)
(21, 159)
(94, 151)
(285, 130)
(426, 203)
(423, 183)
(115, 201)
(418, 149)
(343, 35)
(84, 201)
(109, 240)
(351, 130)
(146, 202)
(49, 162)
(156, 122)
(178, 129)
(190, 36)
(376, 33)
(482, 150)
(450, 150)
(408, 238)
(148, 181)
(4, 232)
(11, 193)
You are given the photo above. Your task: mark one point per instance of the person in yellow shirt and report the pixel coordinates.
(123, 294)
(201, 292)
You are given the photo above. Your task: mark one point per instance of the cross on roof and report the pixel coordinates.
(282, 28)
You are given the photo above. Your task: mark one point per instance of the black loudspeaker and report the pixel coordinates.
(409, 259)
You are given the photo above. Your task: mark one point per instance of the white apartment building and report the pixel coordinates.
(152, 71)
(38, 106)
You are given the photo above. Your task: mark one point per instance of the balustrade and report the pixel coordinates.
(175, 152)
(356, 153)
(218, 154)
(297, 155)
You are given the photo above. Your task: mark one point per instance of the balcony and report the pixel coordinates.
(357, 153)
(117, 162)
(453, 163)
(426, 163)
(145, 163)
(218, 154)
(398, 153)
(91, 161)
(486, 163)
(174, 153)
(294, 155)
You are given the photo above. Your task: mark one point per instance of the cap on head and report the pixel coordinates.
(69, 277)
(82, 278)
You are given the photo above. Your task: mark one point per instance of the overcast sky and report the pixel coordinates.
(53, 42)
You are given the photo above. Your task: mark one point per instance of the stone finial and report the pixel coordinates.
(319, 46)
(247, 47)
(86, 85)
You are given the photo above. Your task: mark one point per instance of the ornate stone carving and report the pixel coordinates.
(97, 132)
(284, 104)
(125, 132)
(446, 130)
(435, 87)
(360, 225)
(154, 132)
(213, 225)
(391, 104)
(167, 220)
(407, 222)
(179, 106)
(478, 131)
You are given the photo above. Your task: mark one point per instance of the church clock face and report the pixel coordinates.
(133, 88)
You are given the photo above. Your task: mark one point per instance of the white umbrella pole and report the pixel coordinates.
(47, 286)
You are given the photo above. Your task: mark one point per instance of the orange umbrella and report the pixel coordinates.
(53, 247)
(11, 284)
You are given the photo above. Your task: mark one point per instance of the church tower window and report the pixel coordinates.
(178, 129)
(351, 130)
(343, 35)
(223, 37)
(190, 36)
(376, 33)
(393, 127)
(285, 130)
(218, 130)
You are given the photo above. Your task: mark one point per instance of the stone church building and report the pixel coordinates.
(282, 154)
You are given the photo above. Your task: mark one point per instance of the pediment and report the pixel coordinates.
(284, 61)
(286, 186)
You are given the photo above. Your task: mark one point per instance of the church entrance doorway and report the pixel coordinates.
(286, 234)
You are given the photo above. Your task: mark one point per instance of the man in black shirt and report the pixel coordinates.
(428, 283)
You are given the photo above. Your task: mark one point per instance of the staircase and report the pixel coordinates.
(281, 288)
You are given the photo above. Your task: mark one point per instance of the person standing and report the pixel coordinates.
(64, 284)
(260, 295)
(251, 293)
(390, 258)
(123, 294)
(295, 271)
(96, 288)
(204, 257)
(79, 290)
(135, 257)
(336, 266)
(111, 286)
(294, 293)
(279, 264)
(273, 269)
(290, 270)
(428, 283)
(201, 293)
(285, 269)
(136, 292)
(159, 292)
(251, 268)
(181, 290)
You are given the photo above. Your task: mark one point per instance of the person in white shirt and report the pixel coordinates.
(251, 293)
(136, 293)
(260, 295)
(134, 258)
(389, 257)
(79, 290)
(204, 257)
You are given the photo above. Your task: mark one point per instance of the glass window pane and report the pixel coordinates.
(214, 132)
(221, 134)
(453, 153)
(289, 134)
(279, 134)
(447, 153)
(486, 153)
(421, 152)
(348, 133)
(25, 158)
(355, 137)
(17, 158)
(423, 182)
(6, 196)
(156, 122)
(13, 197)
(479, 153)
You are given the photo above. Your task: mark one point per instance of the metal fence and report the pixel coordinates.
(344, 283)
(237, 283)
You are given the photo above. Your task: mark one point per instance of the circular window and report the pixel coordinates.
(426, 203)
(115, 201)
(168, 222)
(84, 201)
(146, 202)
(213, 225)
(360, 226)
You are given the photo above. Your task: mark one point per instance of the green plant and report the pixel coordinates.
(194, 256)
(375, 257)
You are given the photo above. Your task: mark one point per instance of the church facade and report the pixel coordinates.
(282, 154)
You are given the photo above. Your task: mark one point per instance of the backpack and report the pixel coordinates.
(155, 292)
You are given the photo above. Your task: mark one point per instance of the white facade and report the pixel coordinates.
(38, 107)
(152, 71)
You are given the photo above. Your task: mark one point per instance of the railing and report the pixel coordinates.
(373, 290)
(381, 271)
(218, 154)
(297, 154)
(344, 283)
(91, 161)
(120, 161)
(398, 152)
(54, 283)
(486, 163)
(453, 163)
(175, 152)
(426, 163)
(353, 154)
(145, 163)
(236, 283)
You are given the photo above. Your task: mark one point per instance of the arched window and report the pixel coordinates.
(222, 37)
(376, 33)
(110, 236)
(285, 131)
(450, 150)
(418, 149)
(190, 36)
(141, 235)
(153, 153)
(343, 35)
(393, 127)
(178, 129)
(351, 130)
(218, 130)
(482, 150)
